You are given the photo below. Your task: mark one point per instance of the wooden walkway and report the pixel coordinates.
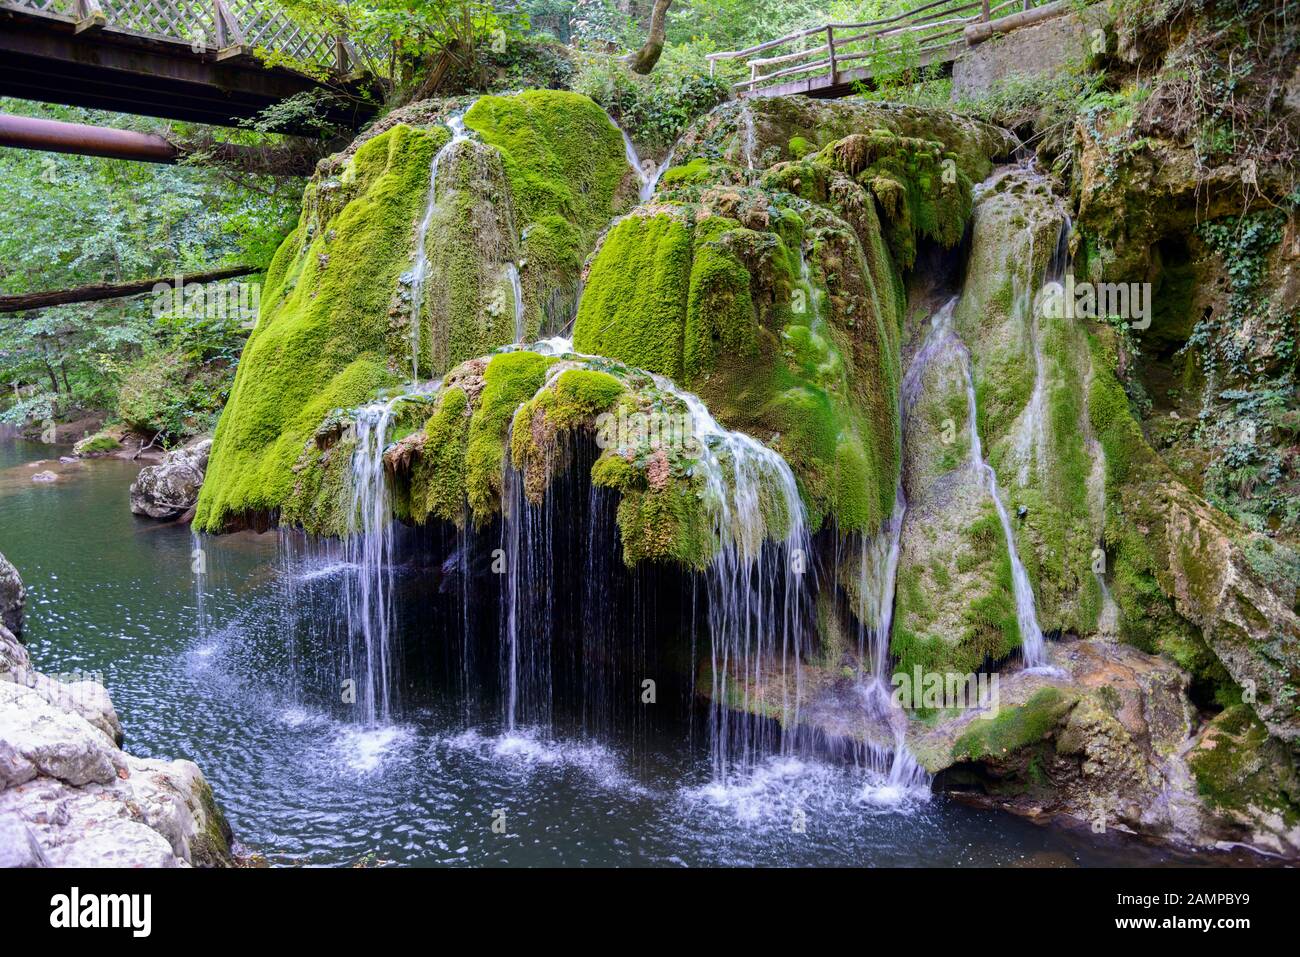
(178, 59)
(830, 61)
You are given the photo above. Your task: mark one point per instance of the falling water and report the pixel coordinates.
(749, 144)
(1033, 422)
(369, 550)
(1032, 648)
(420, 273)
(512, 272)
(199, 569)
(941, 336)
(759, 594)
(646, 171)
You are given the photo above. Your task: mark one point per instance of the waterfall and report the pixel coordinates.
(512, 273)
(1032, 647)
(748, 143)
(941, 336)
(1033, 423)
(369, 550)
(759, 593)
(199, 569)
(420, 273)
(645, 171)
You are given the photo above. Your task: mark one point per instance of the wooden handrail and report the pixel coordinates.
(929, 22)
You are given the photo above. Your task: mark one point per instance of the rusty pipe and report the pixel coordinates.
(30, 133)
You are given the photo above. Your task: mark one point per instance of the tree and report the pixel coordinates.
(644, 59)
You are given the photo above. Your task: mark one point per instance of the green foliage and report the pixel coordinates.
(69, 221)
(163, 393)
(400, 39)
(654, 109)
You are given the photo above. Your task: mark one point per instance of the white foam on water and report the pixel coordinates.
(366, 750)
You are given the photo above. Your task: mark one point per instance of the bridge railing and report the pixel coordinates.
(819, 56)
(224, 27)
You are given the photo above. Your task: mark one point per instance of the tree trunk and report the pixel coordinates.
(39, 300)
(644, 60)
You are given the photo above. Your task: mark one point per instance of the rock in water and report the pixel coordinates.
(70, 797)
(13, 597)
(170, 488)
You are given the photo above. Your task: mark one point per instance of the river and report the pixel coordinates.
(115, 595)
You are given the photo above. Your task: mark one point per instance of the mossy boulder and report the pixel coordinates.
(538, 177)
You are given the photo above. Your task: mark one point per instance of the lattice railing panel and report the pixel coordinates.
(188, 20)
(61, 7)
(263, 27)
(194, 21)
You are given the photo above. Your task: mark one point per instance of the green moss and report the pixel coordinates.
(97, 444)
(1014, 728)
(694, 173)
(568, 177)
(668, 524)
(921, 189)
(575, 399)
(719, 311)
(800, 147)
(634, 306)
(512, 378)
(1239, 768)
(439, 484)
(319, 343)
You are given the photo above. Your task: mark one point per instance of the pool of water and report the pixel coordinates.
(444, 785)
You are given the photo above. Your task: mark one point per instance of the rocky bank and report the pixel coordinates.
(71, 797)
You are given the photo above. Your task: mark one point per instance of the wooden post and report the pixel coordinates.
(984, 12)
(830, 47)
(90, 16)
(229, 36)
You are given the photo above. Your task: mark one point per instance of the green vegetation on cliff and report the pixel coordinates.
(321, 340)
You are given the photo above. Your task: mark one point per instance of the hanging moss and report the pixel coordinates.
(439, 485)
(574, 400)
(321, 339)
(667, 524)
(512, 378)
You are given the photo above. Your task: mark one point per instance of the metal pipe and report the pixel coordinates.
(30, 133)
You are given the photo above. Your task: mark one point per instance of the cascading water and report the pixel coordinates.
(759, 593)
(369, 550)
(749, 143)
(419, 274)
(1031, 443)
(1032, 648)
(941, 336)
(512, 273)
(646, 171)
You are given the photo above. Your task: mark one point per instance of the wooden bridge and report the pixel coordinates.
(830, 61)
(177, 59)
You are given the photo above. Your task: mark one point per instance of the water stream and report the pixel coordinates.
(419, 273)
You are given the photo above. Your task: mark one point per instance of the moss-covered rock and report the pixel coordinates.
(539, 176)
(780, 302)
